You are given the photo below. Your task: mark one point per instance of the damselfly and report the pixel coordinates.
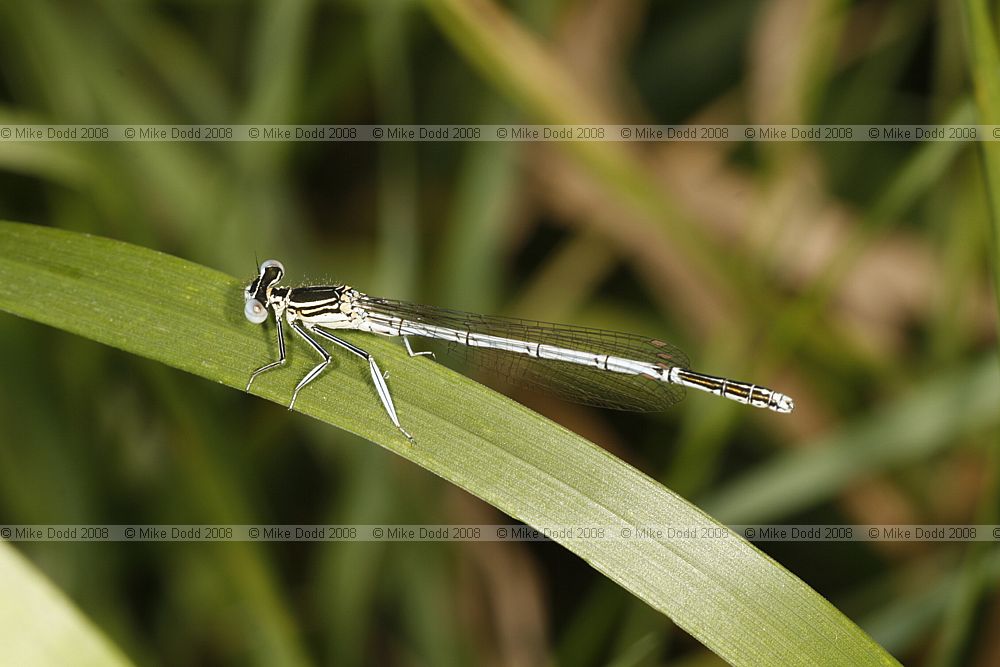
(589, 366)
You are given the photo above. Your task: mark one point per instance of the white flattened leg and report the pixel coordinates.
(377, 377)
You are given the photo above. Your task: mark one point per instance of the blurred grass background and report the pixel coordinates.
(855, 277)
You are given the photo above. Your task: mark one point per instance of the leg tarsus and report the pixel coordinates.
(273, 364)
(311, 375)
(263, 369)
(425, 353)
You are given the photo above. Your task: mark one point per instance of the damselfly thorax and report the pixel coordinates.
(591, 366)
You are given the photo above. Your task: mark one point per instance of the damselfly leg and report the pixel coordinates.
(377, 376)
(314, 373)
(425, 353)
(273, 364)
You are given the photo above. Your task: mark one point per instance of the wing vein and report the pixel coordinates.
(578, 383)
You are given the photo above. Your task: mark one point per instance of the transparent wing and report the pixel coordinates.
(573, 382)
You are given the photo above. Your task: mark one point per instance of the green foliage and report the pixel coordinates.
(737, 601)
(854, 276)
(39, 626)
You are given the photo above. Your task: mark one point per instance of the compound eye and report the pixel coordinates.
(272, 264)
(255, 311)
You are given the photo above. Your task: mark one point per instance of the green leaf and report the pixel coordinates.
(39, 626)
(725, 592)
(983, 54)
(914, 428)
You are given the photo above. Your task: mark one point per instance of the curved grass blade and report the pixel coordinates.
(39, 626)
(726, 593)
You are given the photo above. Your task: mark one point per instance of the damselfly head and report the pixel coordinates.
(257, 292)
